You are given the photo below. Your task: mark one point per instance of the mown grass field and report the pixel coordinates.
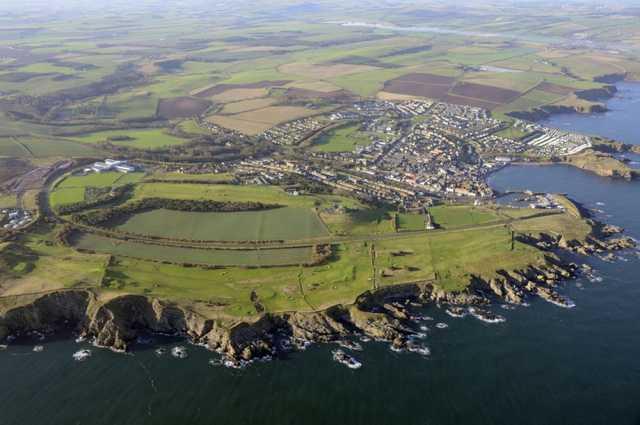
(450, 217)
(343, 139)
(451, 259)
(359, 222)
(287, 223)
(39, 264)
(178, 255)
(408, 221)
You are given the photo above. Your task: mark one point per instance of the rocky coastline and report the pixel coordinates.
(387, 314)
(602, 164)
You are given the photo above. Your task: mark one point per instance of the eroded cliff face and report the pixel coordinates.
(116, 323)
(384, 314)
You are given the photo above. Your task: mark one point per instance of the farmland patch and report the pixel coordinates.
(324, 71)
(485, 93)
(221, 88)
(182, 107)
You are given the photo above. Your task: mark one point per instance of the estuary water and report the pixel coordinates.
(544, 365)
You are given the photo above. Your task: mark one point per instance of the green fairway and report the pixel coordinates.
(179, 255)
(450, 217)
(278, 288)
(451, 259)
(365, 221)
(411, 222)
(277, 224)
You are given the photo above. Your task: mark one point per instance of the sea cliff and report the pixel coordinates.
(384, 314)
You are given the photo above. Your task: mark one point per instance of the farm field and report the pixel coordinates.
(237, 193)
(191, 127)
(246, 105)
(107, 179)
(7, 201)
(139, 139)
(287, 223)
(210, 177)
(72, 189)
(43, 147)
(256, 121)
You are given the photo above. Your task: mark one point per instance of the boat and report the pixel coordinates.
(81, 355)
(345, 359)
(38, 349)
(179, 352)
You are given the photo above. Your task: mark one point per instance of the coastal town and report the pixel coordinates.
(417, 151)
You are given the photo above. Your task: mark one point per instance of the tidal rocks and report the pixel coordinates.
(553, 297)
(486, 315)
(457, 312)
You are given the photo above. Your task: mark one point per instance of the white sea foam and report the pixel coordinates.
(81, 355)
(179, 352)
(487, 317)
